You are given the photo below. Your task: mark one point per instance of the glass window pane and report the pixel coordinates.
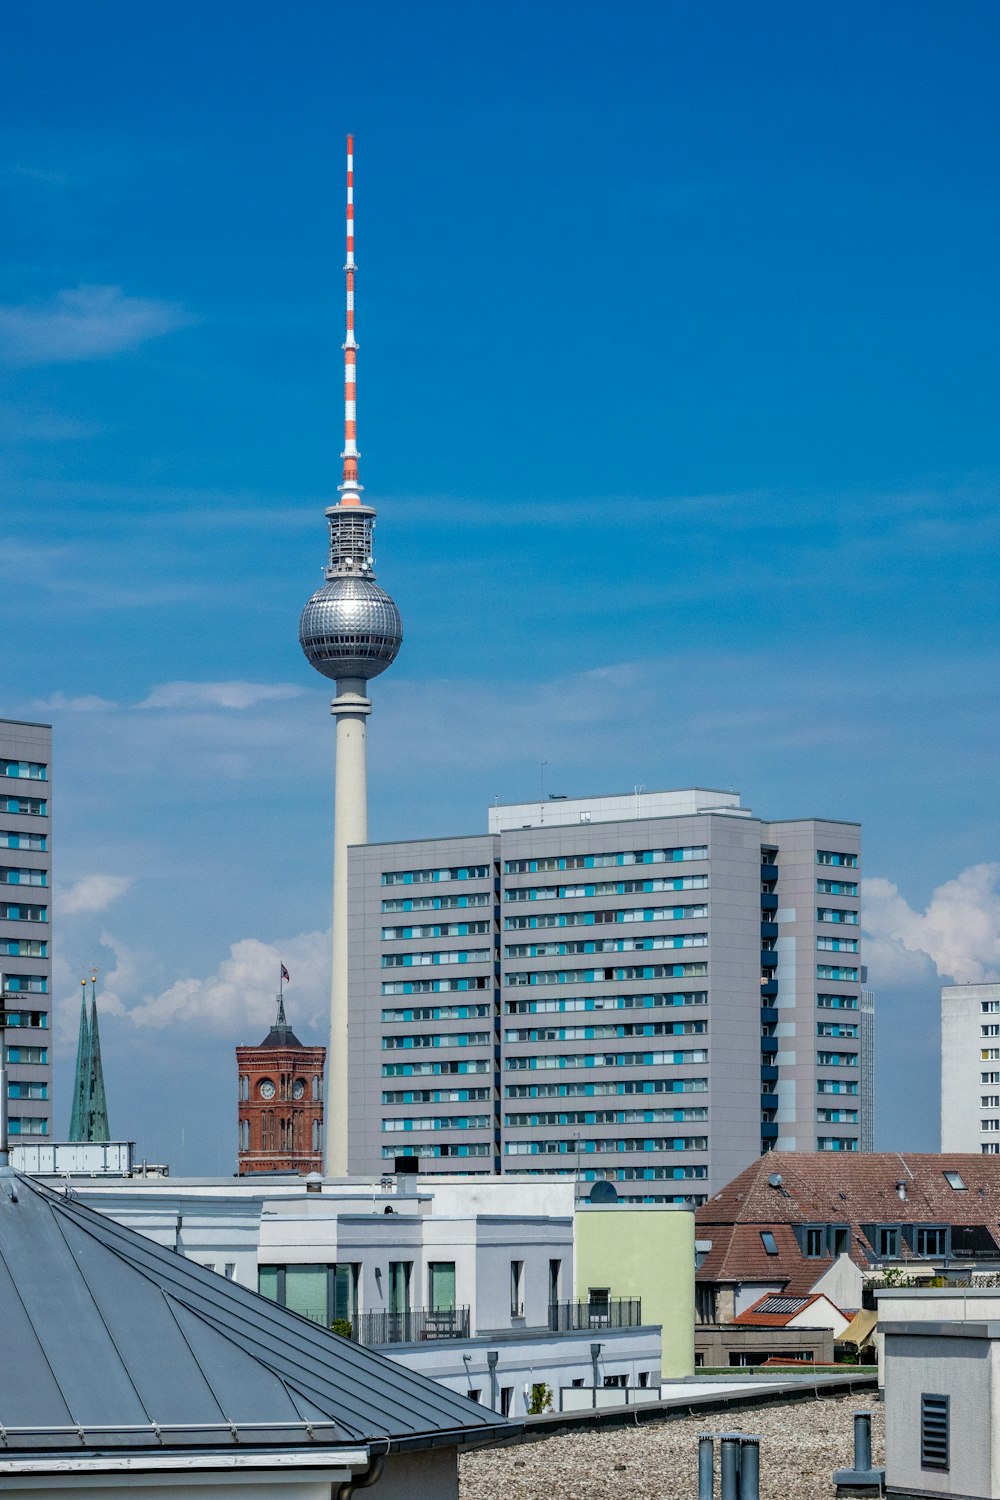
(305, 1291)
(442, 1285)
(267, 1282)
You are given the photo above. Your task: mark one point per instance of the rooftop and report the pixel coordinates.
(112, 1342)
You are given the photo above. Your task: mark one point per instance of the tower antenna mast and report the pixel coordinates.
(349, 488)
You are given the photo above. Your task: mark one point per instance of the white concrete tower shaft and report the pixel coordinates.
(350, 631)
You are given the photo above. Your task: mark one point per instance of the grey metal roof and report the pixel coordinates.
(111, 1341)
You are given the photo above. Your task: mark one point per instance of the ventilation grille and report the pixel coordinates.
(934, 1432)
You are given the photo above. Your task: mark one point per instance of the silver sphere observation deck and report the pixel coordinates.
(350, 627)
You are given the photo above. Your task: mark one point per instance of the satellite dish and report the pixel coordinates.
(603, 1192)
(774, 1180)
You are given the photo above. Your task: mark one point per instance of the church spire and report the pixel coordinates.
(89, 1120)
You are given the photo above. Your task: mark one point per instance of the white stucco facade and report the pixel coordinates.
(970, 1068)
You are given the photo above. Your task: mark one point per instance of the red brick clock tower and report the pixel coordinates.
(280, 1103)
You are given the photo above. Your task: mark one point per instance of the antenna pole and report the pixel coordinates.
(350, 489)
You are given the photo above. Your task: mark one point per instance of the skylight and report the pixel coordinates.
(768, 1241)
(954, 1180)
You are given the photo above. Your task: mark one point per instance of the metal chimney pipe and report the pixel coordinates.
(492, 1358)
(706, 1466)
(749, 1468)
(730, 1465)
(862, 1441)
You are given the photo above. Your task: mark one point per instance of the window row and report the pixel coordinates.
(620, 1087)
(27, 1054)
(36, 1018)
(17, 1090)
(444, 1039)
(837, 1002)
(605, 945)
(26, 1125)
(837, 1059)
(623, 1029)
(434, 1069)
(606, 1002)
(13, 875)
(608, 1060)
(548, 1118)
(436, 986)
(650, 887)
(602, 861)
(836, 887)
(989, 1007)
(24, 948)
(837, 1116)
(836, 1143)
(11, 839)
(421, 877)
(437, 903)
(836, 1086)
(837, 945)
(837, 1028)
(578, 1147)
(606, 918)
(599, 976)
(441, 1122)
(20, 913)
(25, 984)
(435, 1096)
(437, 956)
(27, 770)
(421, 1149)
(831, 971)
(837, 914)
(438, 1013)
(836, 857)
(436, 930)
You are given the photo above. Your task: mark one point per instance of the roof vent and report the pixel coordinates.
(774, 1180)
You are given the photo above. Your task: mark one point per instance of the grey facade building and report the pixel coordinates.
(648, 989)
(25, 925)
(970, 1068)
(867, 1037)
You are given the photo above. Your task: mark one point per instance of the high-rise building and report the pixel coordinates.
(350, 631)
(280, 1089)
(649, 989)
(970, 1068)
(867, 1024)
(25, 902)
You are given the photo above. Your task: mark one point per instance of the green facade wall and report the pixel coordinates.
(644, 1251)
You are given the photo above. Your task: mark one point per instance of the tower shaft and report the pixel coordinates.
(350, 709)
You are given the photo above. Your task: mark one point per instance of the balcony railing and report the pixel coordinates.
(599, 1312)
(411, 1327)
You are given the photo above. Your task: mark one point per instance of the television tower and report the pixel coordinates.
(350, 630)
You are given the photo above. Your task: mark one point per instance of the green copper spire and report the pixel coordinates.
(90, 1105)
(80, 1082)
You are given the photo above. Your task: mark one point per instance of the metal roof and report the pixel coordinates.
(111, 1341)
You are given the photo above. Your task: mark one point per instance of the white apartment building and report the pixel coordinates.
(970, 1068)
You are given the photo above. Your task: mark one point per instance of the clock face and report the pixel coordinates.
(299, 1089)
(266, 1089)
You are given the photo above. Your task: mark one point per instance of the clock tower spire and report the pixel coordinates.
(280, 1093)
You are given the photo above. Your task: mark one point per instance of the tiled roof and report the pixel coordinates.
(111, 1341)
(836, 1188)
(769, 1311)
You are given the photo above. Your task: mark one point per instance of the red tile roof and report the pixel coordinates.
(836, 1188)
(752, 1318)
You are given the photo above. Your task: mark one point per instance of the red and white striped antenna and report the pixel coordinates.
(350, 489)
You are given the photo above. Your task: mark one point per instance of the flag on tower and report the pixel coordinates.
(285, 974)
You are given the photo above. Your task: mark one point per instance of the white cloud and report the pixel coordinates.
(219, 694)
(86, 704)
(92, 894)
(238, 1000)
(959, 933)
(87, 322)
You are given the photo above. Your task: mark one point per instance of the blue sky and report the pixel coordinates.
(677, 397)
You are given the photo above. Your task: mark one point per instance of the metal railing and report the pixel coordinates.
(411, 1327)
(598, 1312)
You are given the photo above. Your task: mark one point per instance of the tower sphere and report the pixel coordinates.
(350, 628)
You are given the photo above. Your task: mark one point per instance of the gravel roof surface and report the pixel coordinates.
(802, 1442)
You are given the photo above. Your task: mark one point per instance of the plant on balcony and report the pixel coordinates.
(342, 1326)
(540, 1399)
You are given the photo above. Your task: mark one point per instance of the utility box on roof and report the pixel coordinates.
(942, 1394)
